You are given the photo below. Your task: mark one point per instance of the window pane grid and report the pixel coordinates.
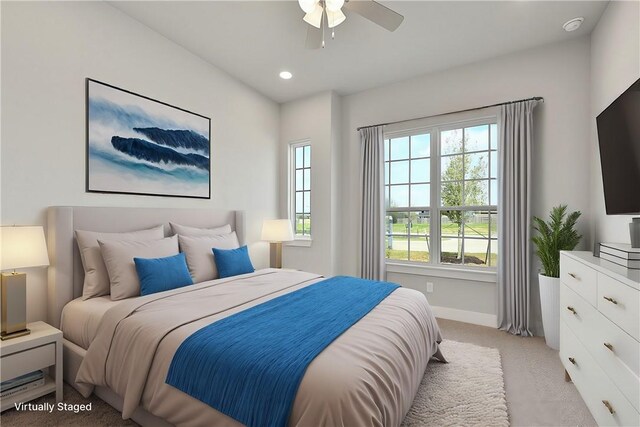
(466, 186)
(400, 158)
(473, 243)
(403, 240)
(302, 189)
(407, 235)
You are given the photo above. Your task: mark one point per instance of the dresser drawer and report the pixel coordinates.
(579, 277)
(620, 304)
(578, 314)
(23, 362)
(594, 386)
(618, 354)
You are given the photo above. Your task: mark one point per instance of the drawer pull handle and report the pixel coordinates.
(611, 300)
(609, 346)
(575, 276)
(571, 309)
(572, 360)
(609, 407)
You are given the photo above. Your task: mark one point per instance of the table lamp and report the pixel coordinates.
(20, 247)
(276, 231)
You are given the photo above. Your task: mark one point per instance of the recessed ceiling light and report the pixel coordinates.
(285, 75)
(573, 24)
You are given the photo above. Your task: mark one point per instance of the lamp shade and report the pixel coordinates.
(22, 247)
(277, 230)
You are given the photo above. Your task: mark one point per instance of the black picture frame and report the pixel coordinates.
(88, 147)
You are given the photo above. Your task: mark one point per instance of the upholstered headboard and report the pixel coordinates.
(66, 275)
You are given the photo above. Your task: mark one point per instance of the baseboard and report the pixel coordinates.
(482, 319)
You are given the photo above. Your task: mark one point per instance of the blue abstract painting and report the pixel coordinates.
(138, 145)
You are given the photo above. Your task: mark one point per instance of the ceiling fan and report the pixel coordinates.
(321, 14)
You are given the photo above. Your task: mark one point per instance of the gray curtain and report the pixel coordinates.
(372, 203)
(514, 276)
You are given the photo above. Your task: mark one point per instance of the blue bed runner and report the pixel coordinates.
(249, 365)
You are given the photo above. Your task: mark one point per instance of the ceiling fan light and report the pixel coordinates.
(308, 5)
(335, 18)
(314, 17)
(334, 5)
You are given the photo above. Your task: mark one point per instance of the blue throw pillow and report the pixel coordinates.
(231, 262)
(162, 274)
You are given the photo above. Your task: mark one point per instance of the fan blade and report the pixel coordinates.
(376, 13)
(314, 37)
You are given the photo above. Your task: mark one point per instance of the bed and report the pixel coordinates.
(368, 376)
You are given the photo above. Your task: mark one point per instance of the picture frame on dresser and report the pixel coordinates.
(139, 145)
(600, 335)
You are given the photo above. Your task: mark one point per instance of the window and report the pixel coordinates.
(456, 167)
(301, 188)
(408, 197)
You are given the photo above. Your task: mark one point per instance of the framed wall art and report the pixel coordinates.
(138, 145)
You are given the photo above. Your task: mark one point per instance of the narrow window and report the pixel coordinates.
(301, 188)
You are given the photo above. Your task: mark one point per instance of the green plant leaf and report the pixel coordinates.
(555, 235)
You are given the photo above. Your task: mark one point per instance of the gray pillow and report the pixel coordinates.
(96, 278)
(199, 253)
(118, 258)
(184, 230)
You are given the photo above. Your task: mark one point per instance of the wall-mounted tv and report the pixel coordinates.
(619, 140)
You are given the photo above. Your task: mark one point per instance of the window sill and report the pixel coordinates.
(300, 242)
(470, 274)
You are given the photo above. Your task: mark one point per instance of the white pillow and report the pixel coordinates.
(118, 257)
(199, 253)
(184, 230)
(96, 278)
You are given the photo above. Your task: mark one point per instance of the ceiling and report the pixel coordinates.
(255, 40)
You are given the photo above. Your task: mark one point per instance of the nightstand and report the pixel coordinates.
(41, 349)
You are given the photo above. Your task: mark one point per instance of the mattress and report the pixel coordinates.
(80, 319)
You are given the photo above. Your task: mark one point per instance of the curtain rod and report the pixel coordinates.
(535, 98)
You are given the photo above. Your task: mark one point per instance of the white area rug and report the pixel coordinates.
(467, 391)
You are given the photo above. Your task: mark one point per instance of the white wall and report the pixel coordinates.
(615, 65)
(316, 118)
(336, 182)
(559, 73)
(48, 49)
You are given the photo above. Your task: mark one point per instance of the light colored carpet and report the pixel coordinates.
(537, 394)
(467, 391)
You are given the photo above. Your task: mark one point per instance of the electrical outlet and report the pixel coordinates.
(429, 287)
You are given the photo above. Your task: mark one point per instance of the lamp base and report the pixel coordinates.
(13, 294)
(16, 334)
(276, 255)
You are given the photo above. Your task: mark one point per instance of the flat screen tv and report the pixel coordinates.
(619, 140)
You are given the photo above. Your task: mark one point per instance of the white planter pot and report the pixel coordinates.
(550, 305)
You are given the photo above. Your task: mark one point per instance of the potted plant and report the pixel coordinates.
(558, 234)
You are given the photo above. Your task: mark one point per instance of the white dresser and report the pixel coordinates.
(600, 336)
